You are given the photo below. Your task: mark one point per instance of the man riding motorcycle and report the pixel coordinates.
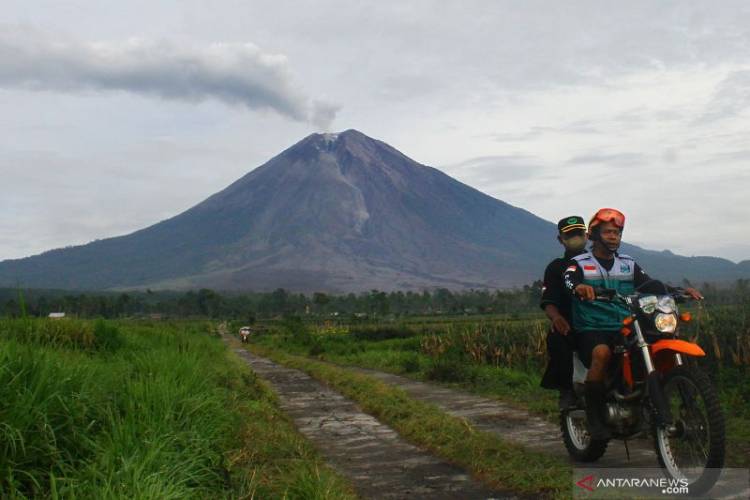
(597, 324)
(556, 304)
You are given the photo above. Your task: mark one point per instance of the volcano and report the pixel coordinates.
(337, 213)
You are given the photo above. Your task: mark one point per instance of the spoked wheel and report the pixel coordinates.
(576, 436)
(692, 448)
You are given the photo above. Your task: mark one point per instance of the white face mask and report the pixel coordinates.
(575, 244)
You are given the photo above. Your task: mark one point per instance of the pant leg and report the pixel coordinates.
(587, 341)
(559, 372)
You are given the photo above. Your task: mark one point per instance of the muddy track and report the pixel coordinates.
(377, 461)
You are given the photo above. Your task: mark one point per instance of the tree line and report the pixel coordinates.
(212, 304)
(207, 303)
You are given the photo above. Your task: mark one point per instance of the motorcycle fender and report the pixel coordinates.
(663, 352)
(675, 345)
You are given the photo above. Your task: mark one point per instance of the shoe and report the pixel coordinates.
(566, 400)
(595, 407)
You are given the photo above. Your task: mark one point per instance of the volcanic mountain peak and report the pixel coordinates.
(334, 212)
(346, 146)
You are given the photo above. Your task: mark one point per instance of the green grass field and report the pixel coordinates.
(143, 410)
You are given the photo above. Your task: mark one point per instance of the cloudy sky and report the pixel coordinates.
(119, 114)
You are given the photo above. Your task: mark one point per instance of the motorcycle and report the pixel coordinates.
(653, 387)
(244, 334)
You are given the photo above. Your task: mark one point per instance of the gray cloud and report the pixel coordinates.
(611, 159)
(233, 73)
(724, 157)
(537, 132)
(732, 97)
(497, 168)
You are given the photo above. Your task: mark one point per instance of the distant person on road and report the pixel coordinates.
(597, 323)
(556, 303)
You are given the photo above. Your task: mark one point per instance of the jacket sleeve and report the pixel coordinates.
(572, 277)
(552, 290)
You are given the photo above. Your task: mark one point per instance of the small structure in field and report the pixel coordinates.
(56, 315)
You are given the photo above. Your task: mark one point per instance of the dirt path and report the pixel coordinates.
(534, 432)
(512, 423)
(372, 455)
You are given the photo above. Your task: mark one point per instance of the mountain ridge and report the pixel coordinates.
(333, 212)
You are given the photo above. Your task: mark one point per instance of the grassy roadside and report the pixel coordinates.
(496, 462)
(142, 410)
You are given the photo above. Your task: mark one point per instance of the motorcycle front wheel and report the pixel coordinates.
(576, 437)
(692, 448)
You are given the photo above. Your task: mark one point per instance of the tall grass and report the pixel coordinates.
(81, 417)
(142, 410)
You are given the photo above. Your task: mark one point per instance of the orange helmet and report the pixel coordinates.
(607, 215)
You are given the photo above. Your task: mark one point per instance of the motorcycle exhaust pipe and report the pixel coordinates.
(628, 397)
(658, 399)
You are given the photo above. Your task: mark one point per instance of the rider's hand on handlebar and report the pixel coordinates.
(585, 292)
(695, 294)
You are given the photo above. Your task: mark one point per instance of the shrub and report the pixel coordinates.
(448, 369)
(316, 348)
(107, 337)
(379, 333)
(410, 363)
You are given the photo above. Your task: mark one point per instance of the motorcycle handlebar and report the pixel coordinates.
(610, 294)
(680, 296)
(604, 294)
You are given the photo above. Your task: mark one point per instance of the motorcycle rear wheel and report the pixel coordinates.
(576, 437)
(693, 449)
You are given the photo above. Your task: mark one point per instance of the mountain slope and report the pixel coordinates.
(335, 212)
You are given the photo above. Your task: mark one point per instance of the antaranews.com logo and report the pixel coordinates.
(595, 483)
(665, 485)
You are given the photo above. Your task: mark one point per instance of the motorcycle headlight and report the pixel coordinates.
(666, 323)
(648, 303)
(666, 304)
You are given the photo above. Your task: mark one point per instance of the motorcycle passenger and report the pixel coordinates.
(597, 323)
(556, 303)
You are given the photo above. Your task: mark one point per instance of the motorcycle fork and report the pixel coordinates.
(661, 408)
